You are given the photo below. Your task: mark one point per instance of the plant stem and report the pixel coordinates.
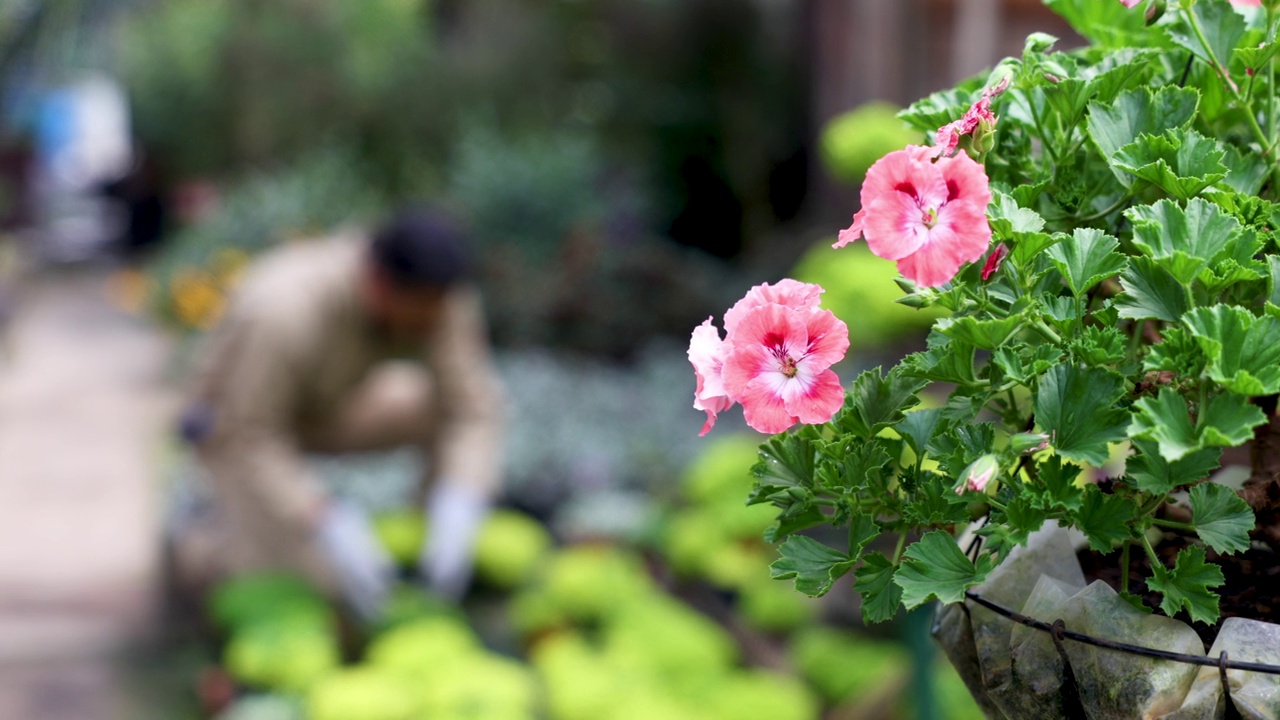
(1050, 334)
(1151, 552)
(1124, 566)
(902, 543)
(1172, 525)
(1219, 68)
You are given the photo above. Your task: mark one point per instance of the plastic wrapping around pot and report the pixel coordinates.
(1035, 689)
(1116, 685)
(1255, 695)
(1048, 553)
(977, 641)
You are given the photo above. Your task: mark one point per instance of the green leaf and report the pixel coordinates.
(1150, 472)
(1086, 258)
(962, 445)
(804, 517)
(1023, 362)
(1243, 350)
(951, 362)
(1058, 480)
(1181, 162)
(1255, 57)
(1222, 27)
(984, 334)
(1108, 24)
(1246, 172)
(1187, 585)
(918, 428)
(786, 461)
(857, 465)
(1099, 345)
(1139, 112)
(879, 402)
(1273, 288)
(935, 502)
(814, 565)
(1024, 516)
(933, 568)
(862, 530)
(1166, 230)
(1178, 353)
(1150, 291)
(1078, 407)
(1226, 422)
(881, 597)
(1008, 220)
(1222, 519)
(1104, 519)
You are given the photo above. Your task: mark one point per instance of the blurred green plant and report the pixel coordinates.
(852, 142)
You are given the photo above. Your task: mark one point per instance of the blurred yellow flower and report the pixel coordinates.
(197, 301)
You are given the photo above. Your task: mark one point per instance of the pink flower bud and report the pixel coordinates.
(996, 257)
(978, 474)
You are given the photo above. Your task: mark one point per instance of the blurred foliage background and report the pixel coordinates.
(627, 168)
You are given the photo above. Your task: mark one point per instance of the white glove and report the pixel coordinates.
(363, 568)
(454, 514)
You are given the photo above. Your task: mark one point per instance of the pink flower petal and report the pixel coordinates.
(707, 352)
(961, 236)
(764, 408)
(895, 227)
(786, 292)
(816, 399)
(828, 339)
(853, 232)
(965, 180)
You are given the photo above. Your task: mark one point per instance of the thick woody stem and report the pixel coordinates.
(1262, 489)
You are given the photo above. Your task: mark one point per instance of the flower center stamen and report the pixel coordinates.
(929, 217)
(789, 367)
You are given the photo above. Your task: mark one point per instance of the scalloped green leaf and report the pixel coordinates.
(1182, 162)
(1086, 258)
(881, 597)
(1188, 585)
(1151, 292)
(1243, 350)
(1079, 408)
(1227, 421)
(814, 566)
(1222, 519)
(934, 568)
(1137, 112)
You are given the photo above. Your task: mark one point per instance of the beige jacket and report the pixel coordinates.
(294, 347)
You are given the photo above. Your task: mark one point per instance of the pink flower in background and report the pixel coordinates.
(1130, 3)
(929, 216)
(775, 360)
(779, 363)
(1247, 3)
(707, 352)
(787, 292)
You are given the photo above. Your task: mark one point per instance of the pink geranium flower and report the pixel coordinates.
(787, 292)
(779, 363)
(929, 215)
(1130, 3)
(707, 351)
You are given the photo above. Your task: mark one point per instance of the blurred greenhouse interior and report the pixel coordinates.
(626, 168)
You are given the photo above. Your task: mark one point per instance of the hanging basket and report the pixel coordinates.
(1074, 651)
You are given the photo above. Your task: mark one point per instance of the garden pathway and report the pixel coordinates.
(83, 407)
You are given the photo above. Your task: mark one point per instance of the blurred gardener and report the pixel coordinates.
(310, 358)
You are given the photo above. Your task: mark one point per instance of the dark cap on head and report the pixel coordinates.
(422, 248)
